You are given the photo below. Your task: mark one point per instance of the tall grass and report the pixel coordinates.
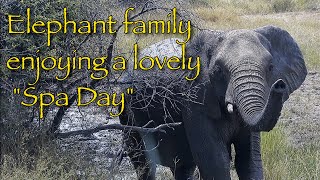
(283, 161)
(48, 164)
(262, 6)
(51, 163)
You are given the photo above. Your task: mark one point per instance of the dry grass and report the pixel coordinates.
(261, 6)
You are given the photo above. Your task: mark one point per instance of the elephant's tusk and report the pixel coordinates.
(230, 108)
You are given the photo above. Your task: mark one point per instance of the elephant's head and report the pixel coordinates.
(250, 72)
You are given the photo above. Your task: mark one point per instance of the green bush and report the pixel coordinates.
(282, 5)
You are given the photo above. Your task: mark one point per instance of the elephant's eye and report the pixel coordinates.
(218, 69)
(220, 39)
(270, 67)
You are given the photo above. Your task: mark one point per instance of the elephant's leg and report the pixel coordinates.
(248, 158)
(206, 139)
(136, 149)
(144, 167)
(214, 162)
(184, 172)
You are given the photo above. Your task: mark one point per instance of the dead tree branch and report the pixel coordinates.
(143, 129)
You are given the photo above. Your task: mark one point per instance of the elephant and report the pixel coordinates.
(246, 76)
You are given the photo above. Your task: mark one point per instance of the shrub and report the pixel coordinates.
(282, 5)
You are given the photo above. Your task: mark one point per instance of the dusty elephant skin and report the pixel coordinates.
(245, 78)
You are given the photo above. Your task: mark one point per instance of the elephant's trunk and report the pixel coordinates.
(272, 110)
(258, 105)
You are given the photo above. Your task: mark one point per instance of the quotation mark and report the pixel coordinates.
(16, 91)
(130, 90)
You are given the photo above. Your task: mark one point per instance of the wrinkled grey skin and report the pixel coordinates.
(245, 78)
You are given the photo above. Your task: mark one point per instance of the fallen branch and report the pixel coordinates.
(143, 130)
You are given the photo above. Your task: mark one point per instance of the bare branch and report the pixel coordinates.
(143, 130)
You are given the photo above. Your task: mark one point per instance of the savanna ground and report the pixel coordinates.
(290, 151)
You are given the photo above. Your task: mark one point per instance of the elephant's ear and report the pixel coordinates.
(204, 45)
(288, 60)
